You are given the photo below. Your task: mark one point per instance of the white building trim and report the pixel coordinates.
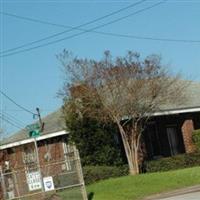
(29, 140)
(177, 111)
(63, 132)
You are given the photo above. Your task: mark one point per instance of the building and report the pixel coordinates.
(30, 166)
(26, 161)
(169, 131)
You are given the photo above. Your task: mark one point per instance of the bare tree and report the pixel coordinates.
(126, 90)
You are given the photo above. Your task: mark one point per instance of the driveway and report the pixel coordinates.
(190, 193)
(189, 196)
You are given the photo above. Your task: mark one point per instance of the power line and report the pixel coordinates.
(23, 108)
(9, 122)
(20, 110)
(87, 23)
(151, 38)
(86, 31)
(115, 35)
(13, 119)
(66, 31)
(97, 32)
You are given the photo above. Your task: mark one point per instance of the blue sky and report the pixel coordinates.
(34, 77)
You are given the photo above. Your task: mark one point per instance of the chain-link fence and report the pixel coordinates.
(62, 178)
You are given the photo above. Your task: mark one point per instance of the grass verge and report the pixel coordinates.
(138, 187)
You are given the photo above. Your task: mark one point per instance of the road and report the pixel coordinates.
(190, 196)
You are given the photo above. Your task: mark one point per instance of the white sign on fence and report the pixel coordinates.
(34, 180)
(48, 183)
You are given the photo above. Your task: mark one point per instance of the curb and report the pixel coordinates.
(177, 192)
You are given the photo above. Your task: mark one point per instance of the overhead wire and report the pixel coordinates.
(97, 32)
(87, 23)
(9, 122)
(71, 28)
(86, 31)
(20, 110)
(14, 102)
(13, 119)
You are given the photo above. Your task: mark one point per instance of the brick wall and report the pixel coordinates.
(15, 158)
(187, 129)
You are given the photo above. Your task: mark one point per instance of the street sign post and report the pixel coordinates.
(34, 130)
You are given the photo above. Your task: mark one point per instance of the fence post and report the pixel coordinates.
(38, 166)
(3, 182)
(80, 173)
(16, 183)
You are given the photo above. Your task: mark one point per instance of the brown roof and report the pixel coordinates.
(54, 122)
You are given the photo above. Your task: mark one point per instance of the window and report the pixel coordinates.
(10, 150)
(154, 141)
(68, 150)
(173, 139)
(29, 154)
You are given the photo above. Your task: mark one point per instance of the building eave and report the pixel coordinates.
(30, 140)
(176, 111)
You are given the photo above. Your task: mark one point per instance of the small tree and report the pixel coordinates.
(125, 90)
(97, 142)
(196, 138)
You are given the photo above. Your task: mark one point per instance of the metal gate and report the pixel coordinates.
(62, 178)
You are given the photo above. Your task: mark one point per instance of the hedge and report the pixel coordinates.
(173, 163)
(96, 173)
(196, 138)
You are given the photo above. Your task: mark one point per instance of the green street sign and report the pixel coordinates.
(33, 127)
(33, 130)
(34, 133)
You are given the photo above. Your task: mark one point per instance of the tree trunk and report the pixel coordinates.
(131, 150)
(126, 147)
(133, 172)
(136, 161)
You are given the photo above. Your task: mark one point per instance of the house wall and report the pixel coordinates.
(196, 120)
(187, 130)
(161, 124)
(184, 125)
(190, 123)
(15, 157)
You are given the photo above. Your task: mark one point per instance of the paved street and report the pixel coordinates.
(190, 196)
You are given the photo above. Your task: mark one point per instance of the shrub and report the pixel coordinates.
(96, 173)
(97, 143)
(173, 163)
(196, 138)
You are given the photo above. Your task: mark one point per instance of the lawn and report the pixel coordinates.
(71, 194)
(137, 187)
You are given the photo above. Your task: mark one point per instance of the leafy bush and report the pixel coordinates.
(97, 143)
(196, 138)
(173, 163)
(96, 173)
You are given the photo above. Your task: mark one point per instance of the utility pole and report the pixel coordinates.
(40, 120)
(36, 148)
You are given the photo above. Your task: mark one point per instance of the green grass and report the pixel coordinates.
(71, 194)
(137, 187)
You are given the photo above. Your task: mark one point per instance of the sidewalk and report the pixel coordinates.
(188, 190)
